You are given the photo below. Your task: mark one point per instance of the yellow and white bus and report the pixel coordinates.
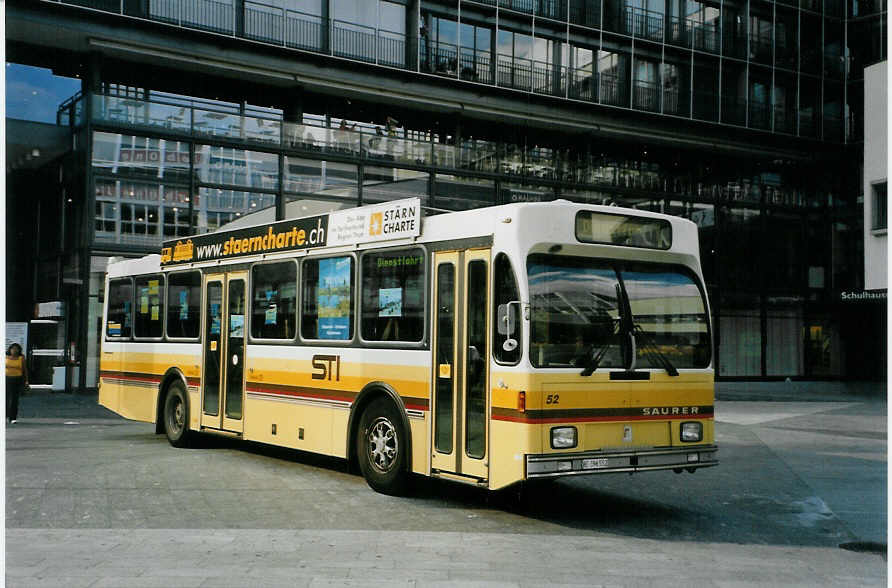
(489, 346)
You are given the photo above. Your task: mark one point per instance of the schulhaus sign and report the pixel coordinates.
(366, 224)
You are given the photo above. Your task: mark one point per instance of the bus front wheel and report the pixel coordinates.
(176, 415)
(381, 448)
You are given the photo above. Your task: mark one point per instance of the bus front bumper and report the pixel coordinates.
(631, 461)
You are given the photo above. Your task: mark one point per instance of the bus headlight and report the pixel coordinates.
(563, 437)
(691, 431)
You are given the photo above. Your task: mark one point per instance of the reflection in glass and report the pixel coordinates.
(445, 321)
(577, 313)
(475, 367)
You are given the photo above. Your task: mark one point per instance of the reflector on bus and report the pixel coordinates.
(621, 229)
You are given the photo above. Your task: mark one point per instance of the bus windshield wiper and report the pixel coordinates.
(652, 351)
(598, 354)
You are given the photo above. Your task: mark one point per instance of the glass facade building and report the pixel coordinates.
(743, 116)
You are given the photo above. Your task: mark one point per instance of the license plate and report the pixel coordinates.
(594, 464)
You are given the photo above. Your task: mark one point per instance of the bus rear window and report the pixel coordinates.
(120, 309)
(619, 229)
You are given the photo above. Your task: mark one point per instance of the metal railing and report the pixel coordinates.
(644, 24)
(585, 12)
(612, 90)
(646, 95)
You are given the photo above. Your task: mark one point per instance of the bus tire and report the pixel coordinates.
(381, 445)
(176, 415)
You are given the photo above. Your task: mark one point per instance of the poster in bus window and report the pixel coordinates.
(215, 318)
(333, 298)
(236, 325)
(184, 305)
(390, 302)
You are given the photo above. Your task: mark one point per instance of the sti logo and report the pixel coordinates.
(376, 223)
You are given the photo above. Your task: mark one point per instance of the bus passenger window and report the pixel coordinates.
(393, 296)
(120, 308)
(274, 300)
(148, 321)
(183, 305)
(327, 299)
(505, 291)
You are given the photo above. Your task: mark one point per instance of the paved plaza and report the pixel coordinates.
(94, 500)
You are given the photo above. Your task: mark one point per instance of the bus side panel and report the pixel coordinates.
(511, 438)
(109, 375)
(313, 389)
(420, 450)
(290, 424)
(131, 377)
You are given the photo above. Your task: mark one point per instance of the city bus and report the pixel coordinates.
(489, 346)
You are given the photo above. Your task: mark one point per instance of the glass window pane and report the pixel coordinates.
(237, 167)
(669, 315)
(445, 356)
(327, 295)
(148, 319)
(505, 291)
(274, 301)
(183, 302)
(462, 192)
(215, 208)
(120, 308)
(393, 295)
(212, 347)
(380, 184)
(574, 312)
(393, 17)
(129, 155)
(475, 370)
(235, 348)
(326, 178)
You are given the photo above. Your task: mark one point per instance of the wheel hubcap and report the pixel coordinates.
(177, 416)
(383, 445)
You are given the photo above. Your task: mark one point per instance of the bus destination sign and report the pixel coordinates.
(381, 222)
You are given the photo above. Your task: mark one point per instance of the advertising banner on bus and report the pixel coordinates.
(380, 222)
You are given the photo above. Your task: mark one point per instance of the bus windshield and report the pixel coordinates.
(584, 310)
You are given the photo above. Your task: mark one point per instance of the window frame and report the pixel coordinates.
(249, 285)
(879, 226)
(167, 336)
(426, 276)
(163, 310)
(107, 302)
(353, 306)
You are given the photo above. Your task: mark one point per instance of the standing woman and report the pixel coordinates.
(16, 380)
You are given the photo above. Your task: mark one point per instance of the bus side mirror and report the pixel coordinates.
(507, 325)
(505, 320)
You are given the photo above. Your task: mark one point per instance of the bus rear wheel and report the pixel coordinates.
(381, 448)
(176, 415)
